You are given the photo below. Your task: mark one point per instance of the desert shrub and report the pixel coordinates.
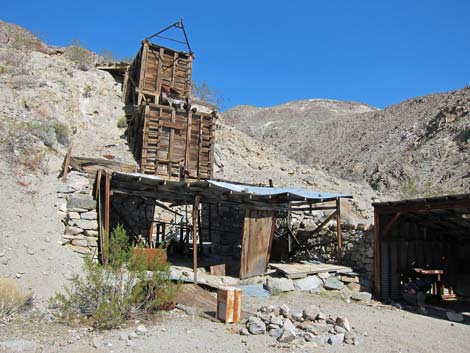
(25, 144)
(77, 53)
(411, 189)
(124, 289)
(62, 133)
(12, 298)
(122, 122)
(87, 91)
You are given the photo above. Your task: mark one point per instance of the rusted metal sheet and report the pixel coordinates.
(257, 237)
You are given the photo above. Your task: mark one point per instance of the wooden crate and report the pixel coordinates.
(157, 69)
(166, 141)
(229, 306)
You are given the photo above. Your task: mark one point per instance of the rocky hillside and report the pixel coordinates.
(52, 99)
(419, 147)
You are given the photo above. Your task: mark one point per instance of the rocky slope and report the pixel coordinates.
(52, 99)
(415, 148)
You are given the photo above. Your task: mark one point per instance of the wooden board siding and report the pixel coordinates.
(165, 139)
(156, 69)
(258, 232)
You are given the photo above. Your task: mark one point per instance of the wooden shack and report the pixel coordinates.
(172, 143)
(426, 237)
(231, 224)
(157, 71)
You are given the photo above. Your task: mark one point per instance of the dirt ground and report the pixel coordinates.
(386, 330)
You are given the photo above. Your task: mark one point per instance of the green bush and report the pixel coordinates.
(62, 133)
(124, 289)
(77, 53)
(122, 122)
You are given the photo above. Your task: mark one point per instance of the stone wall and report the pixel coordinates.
(80, 216)
(358, 249)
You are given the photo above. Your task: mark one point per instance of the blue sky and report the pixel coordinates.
(265, 53)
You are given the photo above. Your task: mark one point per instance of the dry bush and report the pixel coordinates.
(12, 298)
(14, 62)
(109, 295)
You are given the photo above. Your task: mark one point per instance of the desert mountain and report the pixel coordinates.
(419, 147)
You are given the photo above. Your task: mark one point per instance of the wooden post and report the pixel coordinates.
(289, 219)
(67, 164)
(107, 197)
(195, 221)
(338, 228)
(377, 260)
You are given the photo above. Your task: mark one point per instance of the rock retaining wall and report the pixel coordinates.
(358, 249)
(80, 216)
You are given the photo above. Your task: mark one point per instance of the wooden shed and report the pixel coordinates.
(428, 237)
(157, 72)
(173, 143)
(230, 223)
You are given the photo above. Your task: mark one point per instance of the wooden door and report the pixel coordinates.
(258, 231)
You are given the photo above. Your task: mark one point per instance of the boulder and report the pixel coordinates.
(310, 313)
(342, 321)
(81, 203)
(308, 283)
(284, 310)
(336, 339)
(141, 330)
(288, 332)
(90, 215)
(73, 230)
(456, 317)
(277, 320)
(91, 233)
(361, 296)
(276, 332)
(333, 283)
(79, 242)
(324, 275)
(256, 326)
(354, 287)
(279, 285)
(86, 224)
(73, 215)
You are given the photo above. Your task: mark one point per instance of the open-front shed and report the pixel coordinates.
(229, 223)
(423, 238)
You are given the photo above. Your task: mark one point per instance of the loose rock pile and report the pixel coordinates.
(348, 284)
(80, 217)
(310, 325)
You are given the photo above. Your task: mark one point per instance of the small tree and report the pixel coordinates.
(203, 92)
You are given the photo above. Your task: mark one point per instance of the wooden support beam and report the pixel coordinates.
(377, 269)
(196, 203)
(107, 199)
(324, 223)
(66, 164)
(390, 224)
(338, 229)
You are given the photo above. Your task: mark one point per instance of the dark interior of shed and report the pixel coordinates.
(423, 252)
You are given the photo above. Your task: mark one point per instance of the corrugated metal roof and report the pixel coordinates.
(267, 191)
